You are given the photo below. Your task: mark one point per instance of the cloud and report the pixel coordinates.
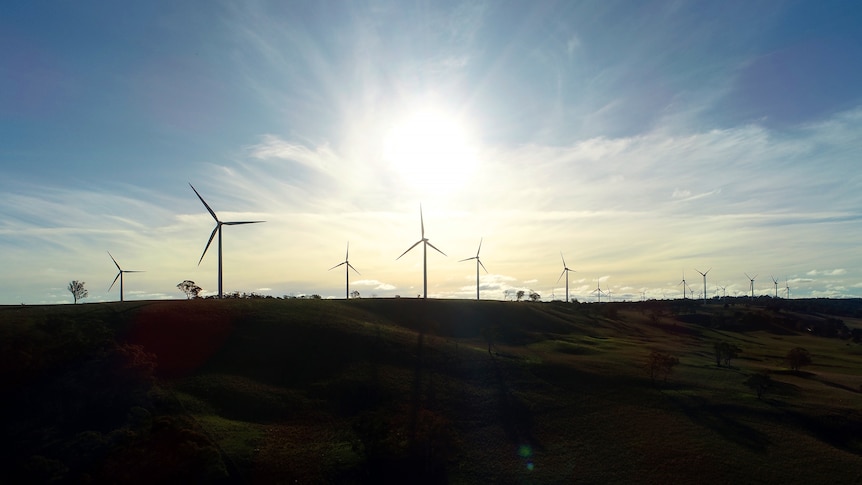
(375, 285)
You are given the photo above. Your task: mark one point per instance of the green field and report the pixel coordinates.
(436, 391)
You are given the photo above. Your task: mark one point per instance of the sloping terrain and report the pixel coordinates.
(404, 391)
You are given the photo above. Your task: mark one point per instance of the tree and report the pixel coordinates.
(354, 294)
(76, 288)
(659, 365)
(535, 296)
(189, 288)
(725, 352)
(519, 295)
(760, 383)
(798, 357)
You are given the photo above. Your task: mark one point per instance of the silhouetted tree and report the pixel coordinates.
(535, 296)
(725, 352)
(760, 383)
(659, 365)
(76, 288)
(519, 295)
(189, 288)
(798, 357)
(354, 294)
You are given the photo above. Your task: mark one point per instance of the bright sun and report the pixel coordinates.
(430, 151)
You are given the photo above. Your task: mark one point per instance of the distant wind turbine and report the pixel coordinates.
(598, 291)
(120, 275)
(751, 279)
(347, 268)
(775, 282)
(683, 283)
(478, 263)
(566, 272)
(425, 244)
(787, 289)
(704, 281)
(217, 229)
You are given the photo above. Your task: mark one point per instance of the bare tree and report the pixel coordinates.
(535, 296)
(189, 288)
(519, 295)
(76, 288)
(354, 294)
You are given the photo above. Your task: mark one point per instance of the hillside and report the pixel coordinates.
(403, 390)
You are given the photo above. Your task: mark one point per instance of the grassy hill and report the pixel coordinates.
(405, 391)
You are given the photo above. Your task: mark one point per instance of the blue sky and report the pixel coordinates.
(643, 140)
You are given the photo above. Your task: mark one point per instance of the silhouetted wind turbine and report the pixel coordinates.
(775, 282)
(120, 275)
(347, 269)
(478, 263)
(565, 271)
(217, 230)
(704, 281)
(752, 283)
(683, 283)
(598, 291)
(425, 244)
(787, 289)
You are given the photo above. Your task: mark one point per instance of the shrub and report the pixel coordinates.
(659, 365)
(798, 357)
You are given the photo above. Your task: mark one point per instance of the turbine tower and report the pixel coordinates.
(751, 279)
(347, 269)
(120, 275)
(565, 271)
(775, 282)
(787, 289)
(704, 281)
(478, 263)
(217, 229)
(425, 244)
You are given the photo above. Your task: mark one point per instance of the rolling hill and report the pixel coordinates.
(436, 391)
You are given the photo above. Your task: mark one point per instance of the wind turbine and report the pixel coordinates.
(565, 271)
(217, 229)
(347, 269)
(120, 275)
(683, 283)
(425, 244)
(598, 291)
(478, 263)
(775, 282)
(787, 289)
(704, 281)
(752, 283)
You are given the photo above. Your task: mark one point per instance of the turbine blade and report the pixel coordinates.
(408, 249)
(354, 269)
(212, 213)
(115, 280)
(480, 247)
(133, 271)
(421, 221)
(561, 276)
(564, 259)
(217, 228)
(482, 265)
(240, 222)
(467, 259)
(115, 261)
(337, 265)
(347, 253)
(441, 252)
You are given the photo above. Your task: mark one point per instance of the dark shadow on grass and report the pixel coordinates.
(717, 419)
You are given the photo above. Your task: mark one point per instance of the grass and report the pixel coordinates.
(407, 390)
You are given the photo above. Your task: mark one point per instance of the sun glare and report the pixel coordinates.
(430, 151)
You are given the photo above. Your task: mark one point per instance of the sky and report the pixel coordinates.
(640, 141)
